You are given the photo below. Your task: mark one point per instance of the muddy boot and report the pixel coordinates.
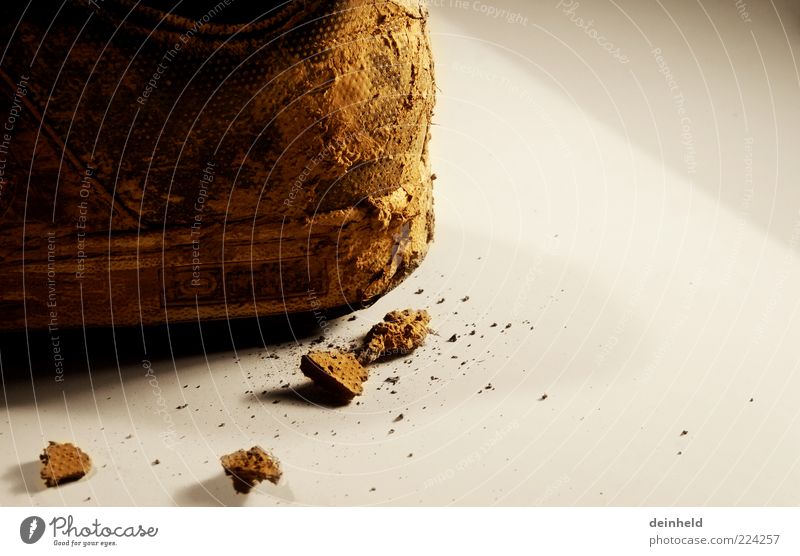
(215, 162)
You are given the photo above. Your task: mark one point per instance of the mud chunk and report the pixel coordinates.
(247, 468)
(338, 373)
(400, 333)
(63, 463)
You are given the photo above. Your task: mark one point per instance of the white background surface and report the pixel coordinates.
(645, 298)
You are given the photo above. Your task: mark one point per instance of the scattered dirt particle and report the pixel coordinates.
(419, 291)
(684, 432)
(399, 418)
(465, 298)
(453, 338)
(440, 301)
(155, 462)
(543, 397)
(184, 406)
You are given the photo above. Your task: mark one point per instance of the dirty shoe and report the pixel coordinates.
(213, 163)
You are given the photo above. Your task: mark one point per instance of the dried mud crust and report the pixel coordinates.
(247, 468)
(63, 463)
(338, 373)
(400, 333)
